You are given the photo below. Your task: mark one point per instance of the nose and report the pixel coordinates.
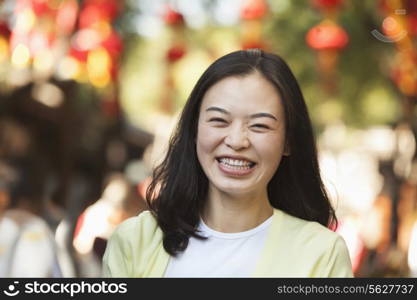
(237, 138)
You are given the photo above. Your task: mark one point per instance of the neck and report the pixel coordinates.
(236, 213)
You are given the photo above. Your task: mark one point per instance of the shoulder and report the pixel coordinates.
(310, 230)
(316, 243)
(310, 236)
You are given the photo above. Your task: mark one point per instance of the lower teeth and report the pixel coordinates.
(237, 167)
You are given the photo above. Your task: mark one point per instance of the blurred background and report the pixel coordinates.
(91, 89)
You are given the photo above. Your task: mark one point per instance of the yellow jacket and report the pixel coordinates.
(294, 248)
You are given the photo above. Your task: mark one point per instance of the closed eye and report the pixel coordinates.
(260, 126)
(217, 120)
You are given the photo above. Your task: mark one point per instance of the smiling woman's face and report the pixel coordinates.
(241, 134)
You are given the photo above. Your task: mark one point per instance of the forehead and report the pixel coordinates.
(245, 94)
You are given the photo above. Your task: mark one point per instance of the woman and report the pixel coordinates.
(239, 192)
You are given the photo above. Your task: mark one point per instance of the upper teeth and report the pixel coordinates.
(235, 162)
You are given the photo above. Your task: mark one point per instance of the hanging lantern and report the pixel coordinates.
(328, 39)
(176, 21)
(251, 13)
(175, 53)
(172, 17)
(254, 9)
(327, 36)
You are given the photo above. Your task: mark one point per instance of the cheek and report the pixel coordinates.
(207, 141)
(270, 150)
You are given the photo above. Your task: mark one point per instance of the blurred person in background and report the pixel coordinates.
(119, 201)
(239, 193)
(27, 245)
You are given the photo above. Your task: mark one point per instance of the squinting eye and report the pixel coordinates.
(260, 126)
(217, 120)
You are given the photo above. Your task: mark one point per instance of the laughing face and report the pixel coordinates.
(241, 134)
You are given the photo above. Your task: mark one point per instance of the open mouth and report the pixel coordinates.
(236, 164)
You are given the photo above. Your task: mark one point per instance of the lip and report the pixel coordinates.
(232, 171)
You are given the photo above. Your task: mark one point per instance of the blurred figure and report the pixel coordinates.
(119, 201)
(27, 246)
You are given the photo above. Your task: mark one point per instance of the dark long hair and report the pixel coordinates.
(178, 191)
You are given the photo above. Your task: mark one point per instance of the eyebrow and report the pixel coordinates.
(253, 116)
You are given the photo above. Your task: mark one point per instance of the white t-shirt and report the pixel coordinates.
(221, 255)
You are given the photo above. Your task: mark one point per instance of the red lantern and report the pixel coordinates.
(175, 53)
(172, 17)
(254, 9)
(327, 36)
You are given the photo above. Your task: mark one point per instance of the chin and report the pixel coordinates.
(234, 189)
